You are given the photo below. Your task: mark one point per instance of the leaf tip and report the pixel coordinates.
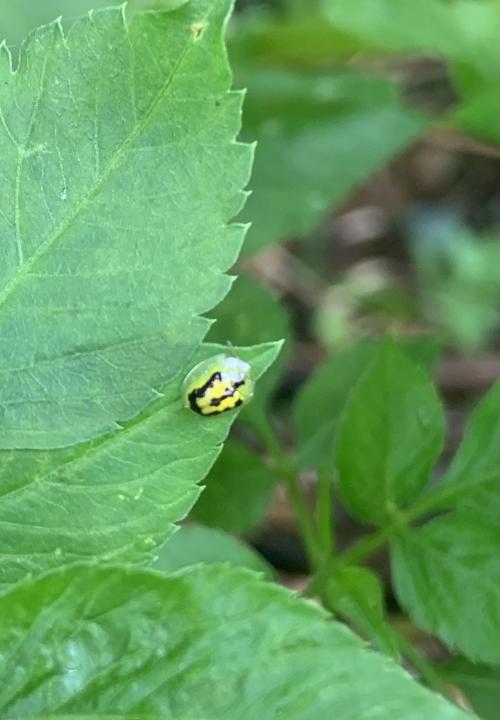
(123, 12)
(5, 54)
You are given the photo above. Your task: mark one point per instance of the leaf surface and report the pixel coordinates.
(120, 172)
(237, 492)
(322, 399)
(447, 574)
(196, 544)
(116, 497)
(212, 643)
(389, 437)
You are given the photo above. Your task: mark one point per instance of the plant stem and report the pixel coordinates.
(302, 515)
(367, 546)
(438, 498)
(423, 666)
(287, 472)
(324, 513)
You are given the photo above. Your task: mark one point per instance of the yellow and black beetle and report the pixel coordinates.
(217, 385)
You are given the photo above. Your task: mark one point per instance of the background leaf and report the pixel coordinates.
(389, 437)
(100, 255)
(447, 574)
(472, 481)
(357, 595)
(194, 544)
(459, 288)
(397, 26)
(479, 683)
(322, 399)
(318, 136)
(463, 32)
(208, 643)
(114, 498)
(237, 493)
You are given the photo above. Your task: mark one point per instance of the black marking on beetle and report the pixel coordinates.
(193, 402)
(200, 392)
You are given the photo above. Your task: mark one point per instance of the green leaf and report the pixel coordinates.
(402, 25)
(322, 399)
(476, 72)
(472, 481)
(19, 18)
(459, 286)
(251, 314)
(193, 544)
(237, 493)
(356, 594)
(209, 643)
(114, 498)
(479, 683)
(302, 39)
(390, 435)
(318, 136)
(120, 171)
(464, 32)
(447, 575)
(478, 112)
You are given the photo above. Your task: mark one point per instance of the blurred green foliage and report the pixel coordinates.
(458, 278)
(198, 544)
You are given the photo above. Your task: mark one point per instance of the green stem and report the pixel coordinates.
(288, 475)
(423, 666)
(324, 513)
(439, 498)
(367, 545)
(302, 516)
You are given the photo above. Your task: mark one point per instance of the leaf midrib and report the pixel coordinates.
(114, 162)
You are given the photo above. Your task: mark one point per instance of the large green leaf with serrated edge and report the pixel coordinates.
(116, 497)
(212, 643)
(119, 174)
(19, 17)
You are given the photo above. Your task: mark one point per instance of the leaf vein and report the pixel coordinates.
(114, 162)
